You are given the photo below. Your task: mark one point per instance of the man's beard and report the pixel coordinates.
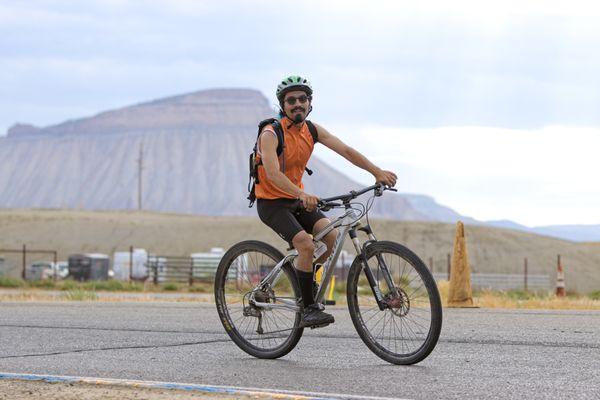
(297, 115)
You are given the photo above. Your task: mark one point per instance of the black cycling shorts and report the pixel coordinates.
(287, 217)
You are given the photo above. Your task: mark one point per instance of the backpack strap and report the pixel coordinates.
(280, 143)
(315, 136)
(313, 131)
(280, 138)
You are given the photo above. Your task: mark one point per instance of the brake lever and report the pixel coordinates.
(327, 206)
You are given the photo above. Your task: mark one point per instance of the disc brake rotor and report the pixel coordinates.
(398, 302)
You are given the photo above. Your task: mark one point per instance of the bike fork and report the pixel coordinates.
(361, 252)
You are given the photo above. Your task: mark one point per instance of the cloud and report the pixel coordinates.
(519, 77)
(535, 177)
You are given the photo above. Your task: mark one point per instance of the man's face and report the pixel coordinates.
(296, 105)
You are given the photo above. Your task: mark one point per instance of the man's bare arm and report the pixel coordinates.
(355, 157)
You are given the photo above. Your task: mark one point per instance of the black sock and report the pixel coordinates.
(306, 286)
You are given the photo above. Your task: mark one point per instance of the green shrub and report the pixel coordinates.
(11, 282)
(45, 283)
(518, 294)
(595, 295)
(171, 287)
(68, 285)
(134, 287)
(110, 286)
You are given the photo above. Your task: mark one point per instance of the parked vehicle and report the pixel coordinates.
(39, 271)
(84, 267)
(61, 269)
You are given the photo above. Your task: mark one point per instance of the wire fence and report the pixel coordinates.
(30, 269)
(505, 281)
(201, 268)
(190, 270)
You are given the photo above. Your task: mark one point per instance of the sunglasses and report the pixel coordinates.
(292, 100)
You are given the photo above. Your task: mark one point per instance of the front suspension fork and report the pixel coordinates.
(361, 251)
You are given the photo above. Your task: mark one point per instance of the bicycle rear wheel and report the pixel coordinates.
(263, 332)
(407, 330)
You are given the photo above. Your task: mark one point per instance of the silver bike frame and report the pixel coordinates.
(347, 221)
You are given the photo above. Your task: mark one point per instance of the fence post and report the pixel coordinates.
(24, 261)
(55, 266)
(155, 269)
(525, 273)
(130, 263)
(191, 271)
(448, 264)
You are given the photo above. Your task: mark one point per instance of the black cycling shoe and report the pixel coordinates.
(314, 317)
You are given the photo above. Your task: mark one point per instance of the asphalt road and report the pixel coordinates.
(481, 354)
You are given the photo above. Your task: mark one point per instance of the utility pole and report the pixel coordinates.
(140, 162)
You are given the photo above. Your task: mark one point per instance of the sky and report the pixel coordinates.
(492, 108)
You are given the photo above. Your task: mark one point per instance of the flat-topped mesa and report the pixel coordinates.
(195, 159)
(192, 111)
(20, 129)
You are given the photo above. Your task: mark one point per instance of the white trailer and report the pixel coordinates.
(134, 263)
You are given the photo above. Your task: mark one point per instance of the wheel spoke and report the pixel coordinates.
(400, 331)
(239, 286)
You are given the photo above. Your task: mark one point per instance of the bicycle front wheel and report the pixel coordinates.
(268, 331)
(408, 328)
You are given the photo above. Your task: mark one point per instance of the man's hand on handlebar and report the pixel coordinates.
(386, 177)
(308, 201)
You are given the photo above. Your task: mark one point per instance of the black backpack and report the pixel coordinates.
(253, 164)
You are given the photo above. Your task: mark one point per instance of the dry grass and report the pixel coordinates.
(483, 299)
(525, 300)
(77, 295)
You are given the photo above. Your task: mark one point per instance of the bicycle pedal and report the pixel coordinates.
(320, 326)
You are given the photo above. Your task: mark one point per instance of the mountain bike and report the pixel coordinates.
(392, 297)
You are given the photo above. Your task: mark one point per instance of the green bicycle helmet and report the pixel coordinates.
(293, 82)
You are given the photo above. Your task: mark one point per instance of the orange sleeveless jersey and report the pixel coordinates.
(298, 149)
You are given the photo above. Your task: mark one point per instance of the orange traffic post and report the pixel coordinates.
(560, 279)
(460, 293)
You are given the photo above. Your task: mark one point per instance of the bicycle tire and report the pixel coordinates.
(248, 341)
(361, 317)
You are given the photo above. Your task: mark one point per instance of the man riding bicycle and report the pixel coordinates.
(279, 187)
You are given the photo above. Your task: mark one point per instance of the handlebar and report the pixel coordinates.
(330, 202)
